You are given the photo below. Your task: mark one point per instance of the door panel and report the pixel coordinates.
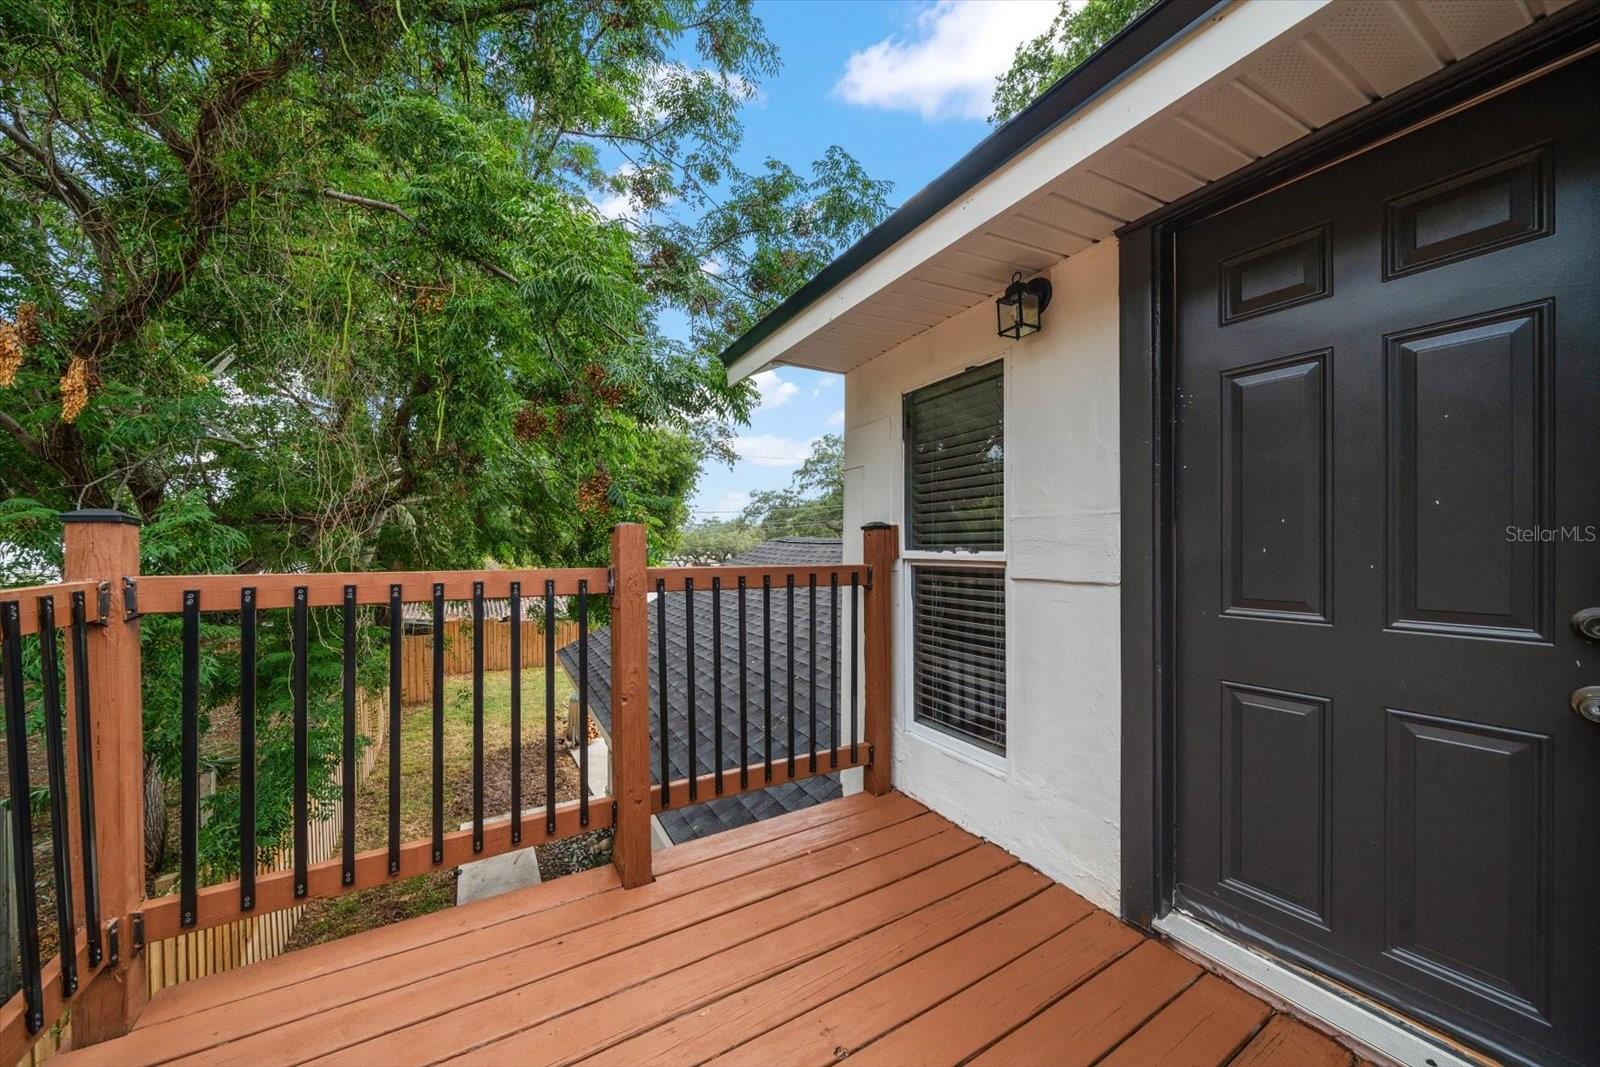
(1469, 415)
(1275, 784)
(1469, 806)
(1387, 424)
(1275, 509)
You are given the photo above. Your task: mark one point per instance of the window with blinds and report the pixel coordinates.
(959, 648)
(955, 462)
(955, 479)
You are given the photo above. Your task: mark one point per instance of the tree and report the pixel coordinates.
(329, 281)
(1073, 36)
(813, 503)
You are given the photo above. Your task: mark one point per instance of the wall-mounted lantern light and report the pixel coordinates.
(1020, 309)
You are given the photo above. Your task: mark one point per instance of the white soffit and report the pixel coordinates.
(1256, 77)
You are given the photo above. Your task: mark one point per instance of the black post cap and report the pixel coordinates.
(100, 515)
(876, 526)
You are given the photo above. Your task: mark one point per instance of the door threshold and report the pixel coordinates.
(1367, 1023)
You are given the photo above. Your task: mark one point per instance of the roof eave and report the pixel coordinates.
(1136, 44)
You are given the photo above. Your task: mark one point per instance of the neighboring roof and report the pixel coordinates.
(684, 823)
(791, 552)
(1190, 92)
(1153, 28)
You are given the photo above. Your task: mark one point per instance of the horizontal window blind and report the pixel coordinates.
(955, 462)
(959, 656)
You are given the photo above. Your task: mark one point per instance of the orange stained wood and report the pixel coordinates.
(867, 927)
(1285, 1041)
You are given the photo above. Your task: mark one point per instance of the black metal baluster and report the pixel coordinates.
(397, 638)
(247, 748)
(347, 787)
(811, 675)
(766, 670)
(690, 675)
(56, 762)
(661, 688)
(516, 712)
(21, 814)
(716, 678)
(855, 697)
(302, 813)
(189, 770)
(438, 722)
(549, 707)
(583, 702)
(788, 682)
(477, 717)
(85, 736)
(833, 669)
(744, 693)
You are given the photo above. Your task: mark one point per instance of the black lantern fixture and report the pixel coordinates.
(1018, 312)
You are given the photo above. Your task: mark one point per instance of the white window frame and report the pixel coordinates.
(995, 763)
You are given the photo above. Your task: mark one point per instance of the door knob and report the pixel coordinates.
(1586, 702)
(1587, 623)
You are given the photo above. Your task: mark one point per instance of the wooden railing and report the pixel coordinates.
(92, 720)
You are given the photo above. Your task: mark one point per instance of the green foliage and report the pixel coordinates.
(812, 505)
(338, 268)
(1073, 36)
(324, 287)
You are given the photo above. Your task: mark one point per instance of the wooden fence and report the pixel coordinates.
(416, 662)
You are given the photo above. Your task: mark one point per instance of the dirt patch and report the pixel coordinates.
(329, 920)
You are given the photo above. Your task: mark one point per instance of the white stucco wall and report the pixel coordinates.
(1053, 799)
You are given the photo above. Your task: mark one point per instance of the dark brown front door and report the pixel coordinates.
(1388, 508)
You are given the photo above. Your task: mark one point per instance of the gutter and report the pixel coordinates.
(1136, 44)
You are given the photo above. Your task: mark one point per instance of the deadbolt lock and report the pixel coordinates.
(1587, 623)
(1586, 702)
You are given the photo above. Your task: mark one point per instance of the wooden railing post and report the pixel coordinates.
(630, 705)
(104, 546)
(880, 548)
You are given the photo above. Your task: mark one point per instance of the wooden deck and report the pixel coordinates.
(866, 927)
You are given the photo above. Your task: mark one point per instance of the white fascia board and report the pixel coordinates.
(1207, 54)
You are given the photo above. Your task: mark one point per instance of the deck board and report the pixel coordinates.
(1093, 1019)
(1206, 1024)
(867, 927)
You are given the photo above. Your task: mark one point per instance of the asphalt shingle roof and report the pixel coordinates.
(725, 813)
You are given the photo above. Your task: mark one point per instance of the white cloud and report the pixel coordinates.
(946, 66)
(775, 391)
(617, 205)
(828, 382)
(772, 450)
(713, 265)
(836, 420)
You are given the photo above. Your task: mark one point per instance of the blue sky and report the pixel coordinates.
(904, 87)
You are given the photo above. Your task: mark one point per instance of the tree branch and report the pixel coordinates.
(29, 445)
(399, 212)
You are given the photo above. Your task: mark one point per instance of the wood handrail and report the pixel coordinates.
(163, 594)
(27, 598)
(676, 579)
